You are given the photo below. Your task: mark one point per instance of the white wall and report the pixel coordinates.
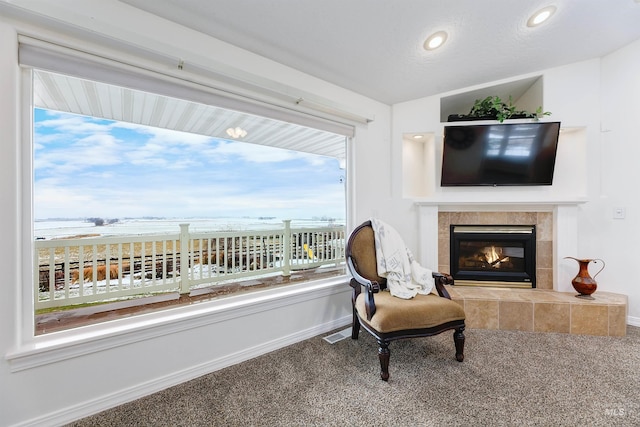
(618, 154)
(76, 378)
(594, 163)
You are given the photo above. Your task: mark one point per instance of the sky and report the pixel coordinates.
(87, 167)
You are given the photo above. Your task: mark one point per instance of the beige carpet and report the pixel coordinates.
(507, 379)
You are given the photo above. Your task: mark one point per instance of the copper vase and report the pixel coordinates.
(583, 282)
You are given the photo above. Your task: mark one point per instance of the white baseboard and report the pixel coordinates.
(633, 321)
(93, 406)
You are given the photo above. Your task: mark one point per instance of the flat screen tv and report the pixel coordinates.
(499, 154)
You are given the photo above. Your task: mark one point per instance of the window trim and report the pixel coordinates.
(51, 348)
(33, 351)
(58, 59)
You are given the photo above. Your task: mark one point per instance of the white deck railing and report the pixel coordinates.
(87, 270)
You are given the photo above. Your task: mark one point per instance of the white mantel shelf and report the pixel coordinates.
(459, 204)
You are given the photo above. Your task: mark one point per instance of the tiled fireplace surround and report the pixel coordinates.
(552, 306)
(544, 236)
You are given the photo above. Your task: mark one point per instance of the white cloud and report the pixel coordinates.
(117, 170)
(85, 153)
(165, 137)
(73, 125)
(256, 153)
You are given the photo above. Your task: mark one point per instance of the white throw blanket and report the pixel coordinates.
(405, 276)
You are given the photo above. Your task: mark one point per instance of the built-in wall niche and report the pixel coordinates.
(418, 164)
(422, 158)
(526, 94)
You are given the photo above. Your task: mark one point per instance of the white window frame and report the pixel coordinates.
(32, 351)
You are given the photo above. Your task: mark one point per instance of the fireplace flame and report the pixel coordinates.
(493, 257)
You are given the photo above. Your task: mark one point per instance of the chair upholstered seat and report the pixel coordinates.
(396, 314)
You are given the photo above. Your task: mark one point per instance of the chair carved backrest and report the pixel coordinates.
(362, 251)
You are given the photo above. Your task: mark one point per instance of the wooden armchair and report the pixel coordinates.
(389, 318)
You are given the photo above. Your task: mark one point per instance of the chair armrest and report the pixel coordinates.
(371, 287)
(441, 280)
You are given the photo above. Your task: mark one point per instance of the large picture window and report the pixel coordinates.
(143, 201)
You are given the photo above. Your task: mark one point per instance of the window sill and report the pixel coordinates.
(55, 347)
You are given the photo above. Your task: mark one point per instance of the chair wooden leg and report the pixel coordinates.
(458, 338)
(384, 355)
(355, 326)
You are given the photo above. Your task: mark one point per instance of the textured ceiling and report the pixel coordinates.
(374, 47)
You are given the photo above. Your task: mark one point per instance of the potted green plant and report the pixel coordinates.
(494, 108)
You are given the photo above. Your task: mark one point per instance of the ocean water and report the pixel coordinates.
(49, 229)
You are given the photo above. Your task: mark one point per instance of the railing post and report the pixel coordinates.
(286, 250)
(185, 282)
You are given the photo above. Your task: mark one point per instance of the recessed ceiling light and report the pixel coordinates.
(541, 16)
(435, 40)
(418, 136)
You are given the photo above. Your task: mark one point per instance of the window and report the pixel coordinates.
(138, 194)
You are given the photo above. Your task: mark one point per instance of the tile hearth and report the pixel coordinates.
(542, 310)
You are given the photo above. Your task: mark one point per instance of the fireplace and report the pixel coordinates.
(493, 255)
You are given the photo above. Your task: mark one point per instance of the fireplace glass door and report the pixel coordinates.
(493, 255)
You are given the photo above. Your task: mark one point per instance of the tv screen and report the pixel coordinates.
(499, 154)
